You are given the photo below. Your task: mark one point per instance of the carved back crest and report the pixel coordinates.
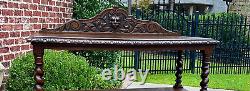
(114, 20)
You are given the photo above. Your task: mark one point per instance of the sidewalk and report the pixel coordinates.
(136, 86)
(163, 87)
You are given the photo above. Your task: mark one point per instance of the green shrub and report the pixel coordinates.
(63, 71)
(89, 8)
(101, 59)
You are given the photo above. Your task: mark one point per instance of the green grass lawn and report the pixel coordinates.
(222, 81)
(159, 61)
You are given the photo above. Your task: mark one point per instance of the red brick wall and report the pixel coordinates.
(21, 18)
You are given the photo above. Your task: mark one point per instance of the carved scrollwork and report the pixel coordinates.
(73, 25)
(113, 20)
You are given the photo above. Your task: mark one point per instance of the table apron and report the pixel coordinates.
(122, 47)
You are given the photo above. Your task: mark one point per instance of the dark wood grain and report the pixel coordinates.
(114, 29)
(114, 20)
(178, 74)
(38, 76)
(205, 69)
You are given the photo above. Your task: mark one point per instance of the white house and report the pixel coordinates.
(191, 6)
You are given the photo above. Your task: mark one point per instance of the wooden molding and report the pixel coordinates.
(114, 20)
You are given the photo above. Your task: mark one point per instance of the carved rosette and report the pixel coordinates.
(73, 25)
(113, 20)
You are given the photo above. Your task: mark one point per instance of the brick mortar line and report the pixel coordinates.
(59, 7)
(45, 18)
(39, 21)
(27, 43)
(14, 52)
(25, 16)
(39, 4)
(27, 23)
(37, 10)
(15, 38)
(8, 8)
(17, 54)
(40, 24)
(40, 12)
(9, 31)
(37, 17)
(23, 53)
(9, 38)
(20, 32)
(3, 54)
(35, 3)
(27, 30)
(24, 25)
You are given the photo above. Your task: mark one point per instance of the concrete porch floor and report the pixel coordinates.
(135, 86)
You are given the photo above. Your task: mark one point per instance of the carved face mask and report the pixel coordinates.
(115, 21)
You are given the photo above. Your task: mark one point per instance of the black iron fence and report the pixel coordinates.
(231, 56)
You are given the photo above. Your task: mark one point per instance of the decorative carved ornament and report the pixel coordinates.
(120, 42)
(114, 20)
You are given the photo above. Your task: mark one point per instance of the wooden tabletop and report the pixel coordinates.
(117, 38)
(114, 29)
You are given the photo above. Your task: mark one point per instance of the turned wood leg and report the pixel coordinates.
(178, 74)
(205, 69)
(38, 76)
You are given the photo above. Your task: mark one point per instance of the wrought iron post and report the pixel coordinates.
(136, 59)
(228, 4)
(194, 31)
(195, 24)
(137, 10)
(130, 7)
(171, 4)
(137, 13)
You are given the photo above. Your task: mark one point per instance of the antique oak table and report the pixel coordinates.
(114, 29)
